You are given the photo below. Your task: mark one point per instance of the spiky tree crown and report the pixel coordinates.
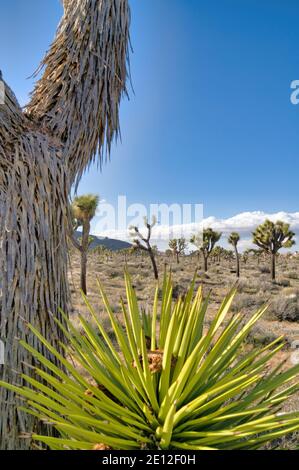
(84, 207)
(271, 236)
(210, 238)
(173, 244)
(178, 245)
(234, 239)
(218, 251)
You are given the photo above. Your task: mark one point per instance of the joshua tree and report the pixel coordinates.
(245, 256)
(44, 149)
(233, 240)
(271, 237)
(178, 247)
(100, 251)
(216, 253)
(83, 211)
(205, 243)
(196, 240)
(144, 242)
(257, 253)
(126, 252)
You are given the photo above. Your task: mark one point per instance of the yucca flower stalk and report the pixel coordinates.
(165, 381)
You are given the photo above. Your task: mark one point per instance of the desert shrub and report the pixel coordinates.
(261, 285)
(292, 275)
(169, 384)
(264, 269)
(283, 282)
(203, 275)
(286, 307)
(138, 284)
(261, 335)
(266, 285)
(178, 291)
(114, 274)
(289, 442)
(247, 301)
(246, 286)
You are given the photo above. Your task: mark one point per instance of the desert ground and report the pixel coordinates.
(255, 289)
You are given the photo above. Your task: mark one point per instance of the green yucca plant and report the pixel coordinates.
(163, 382)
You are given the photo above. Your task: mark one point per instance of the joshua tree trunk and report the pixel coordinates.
(205, 258)
(43, 151)
(32, 266)
(237, 262)
(273, 266)
(83, 271)
(154, 264)
(178, 258)
(84, 253)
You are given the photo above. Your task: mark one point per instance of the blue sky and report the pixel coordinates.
(211, 119)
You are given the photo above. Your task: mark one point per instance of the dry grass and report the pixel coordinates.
(254, 288)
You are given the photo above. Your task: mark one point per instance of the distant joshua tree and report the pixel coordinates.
(126, 252)
(178, 247)
(257, 254)
(144, 242)
(245, 256)
(217, 253)
(83, 210)
(271, 237)
(205, 243)
(233, 240)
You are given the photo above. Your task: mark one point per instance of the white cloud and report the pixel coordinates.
(244, 223)
(247, 221)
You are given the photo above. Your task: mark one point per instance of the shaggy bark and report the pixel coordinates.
(33, 222)
(73, 111)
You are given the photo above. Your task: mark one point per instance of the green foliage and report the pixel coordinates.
(83, 210)
(178, 246)
(234, 239)
(271, 237)
(219, 252)
(90, 240)
(84, 207)
(100, 249)
(162, 382)
(207, 241)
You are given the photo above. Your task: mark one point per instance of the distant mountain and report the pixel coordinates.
(110, 243)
